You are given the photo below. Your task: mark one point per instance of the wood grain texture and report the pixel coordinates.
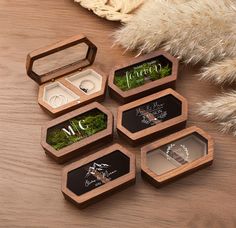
(30, 194)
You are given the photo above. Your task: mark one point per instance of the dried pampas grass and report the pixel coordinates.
(222, 109)
(220, 73)
(196, 31)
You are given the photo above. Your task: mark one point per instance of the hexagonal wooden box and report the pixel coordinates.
(96, 176)
(152, 116)
(75, 133)
(143, 76)
(181, 153)
(66, 82)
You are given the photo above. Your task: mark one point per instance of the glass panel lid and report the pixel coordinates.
(61, 58)
(177, 153)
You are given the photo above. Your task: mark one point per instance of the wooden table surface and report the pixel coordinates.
(30, 194)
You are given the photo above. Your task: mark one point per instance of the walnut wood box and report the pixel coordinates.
(63, 123)
(96, 176)
(65, 80)
(176, 155)
(149, 86)
(152, 116)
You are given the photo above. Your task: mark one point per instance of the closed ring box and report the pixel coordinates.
(98, 175)
(75, 133)
(143, 76)
(151, 117)
(165, 160)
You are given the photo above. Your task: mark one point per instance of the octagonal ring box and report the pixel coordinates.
(143, 76)
(98, 175)
(176, 155)
(76, 132)
(65, 80)
(151, 117)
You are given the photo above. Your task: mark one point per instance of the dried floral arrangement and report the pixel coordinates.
(141, 74)
(197, 32)
(77, 129)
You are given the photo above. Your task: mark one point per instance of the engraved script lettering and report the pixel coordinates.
(152, 113)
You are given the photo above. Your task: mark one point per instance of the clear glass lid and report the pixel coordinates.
(61, 59)
(177, 153)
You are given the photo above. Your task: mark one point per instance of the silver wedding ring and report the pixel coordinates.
(87, 85)
(58, 100)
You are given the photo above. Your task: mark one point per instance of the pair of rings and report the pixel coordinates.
(58, 100)
(87, 85)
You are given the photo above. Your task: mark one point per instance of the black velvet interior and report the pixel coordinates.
(164, 108)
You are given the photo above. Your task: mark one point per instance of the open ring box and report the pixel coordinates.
(66, 82)
(100, 174)
(151, 117)
(77, 132)
(176, 155)
(143, 76)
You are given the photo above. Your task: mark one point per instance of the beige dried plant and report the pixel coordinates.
(195, 31)
(221, 109)
(220, 72)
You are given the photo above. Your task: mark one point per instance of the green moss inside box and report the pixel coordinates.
(77, 129)
(139, 75)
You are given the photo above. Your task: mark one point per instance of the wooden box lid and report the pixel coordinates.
(91, 178)
(63, 152)
(175, 155)
(147, 87)
(61, 58)
(152, 116)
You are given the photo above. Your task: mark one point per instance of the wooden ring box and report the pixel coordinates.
(176, 155)
(143, 76)
(74, 133)
(65, 80)
(98, 175)
(152, 116)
